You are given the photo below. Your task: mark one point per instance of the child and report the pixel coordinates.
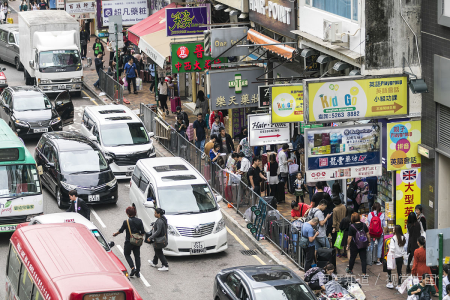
(447, 290)
(300, 187)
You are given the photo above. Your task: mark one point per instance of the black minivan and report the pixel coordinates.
(70, 161)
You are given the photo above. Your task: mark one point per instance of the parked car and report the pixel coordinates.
(29, 112)
(70, 161)
(3, 80)
(273, 282)
(9, 45)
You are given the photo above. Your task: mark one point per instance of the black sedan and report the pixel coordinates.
(68, 160)
(260, 283)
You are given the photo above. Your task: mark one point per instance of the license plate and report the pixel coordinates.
(41, 130)
(198, 248)
(8, 227)
(93, 198)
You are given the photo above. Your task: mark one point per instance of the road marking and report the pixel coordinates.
(90, 97)
(245, 246)
(98, 218)
(142, 276)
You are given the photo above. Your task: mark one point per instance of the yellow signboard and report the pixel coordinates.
(342, 100)
(287, 103)
(403, 139)
(407, 195)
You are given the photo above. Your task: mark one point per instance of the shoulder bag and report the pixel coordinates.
(161, 241)
(136, 239)
(304, 241)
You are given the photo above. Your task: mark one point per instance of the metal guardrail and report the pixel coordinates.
(273, 227)
(112, 88)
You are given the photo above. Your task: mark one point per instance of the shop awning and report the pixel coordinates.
(258, 38)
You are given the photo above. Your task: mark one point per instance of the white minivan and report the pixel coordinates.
(120, 134)
(196, 224)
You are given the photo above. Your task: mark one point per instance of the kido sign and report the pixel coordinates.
(287, 103)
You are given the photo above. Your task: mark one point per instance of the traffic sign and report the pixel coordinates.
(262, 132)
(115, 20)
(113, 44)
(112, 37)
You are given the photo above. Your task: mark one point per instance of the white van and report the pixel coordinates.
(196, 224)
(120, 134)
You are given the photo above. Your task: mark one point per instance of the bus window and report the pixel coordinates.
(14, 265)
(26, 285)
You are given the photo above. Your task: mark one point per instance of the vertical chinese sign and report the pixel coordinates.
(189, 57)
(403, 139)
(407, 195)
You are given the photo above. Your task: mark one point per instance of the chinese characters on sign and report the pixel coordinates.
(132, 11)
(81, 10)
(402, 142)
(287, 103)
(186, 20)
(189, 57)
(407, 194)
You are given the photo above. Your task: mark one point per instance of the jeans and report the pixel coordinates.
(311, 192)
(200, 145)
(127, 249)
(379, 248)
(98, 81)
(322, 242)
(309, 257)
(159, 255)
(354, 251)
(130, 81)
(83, 50)
(399, 263)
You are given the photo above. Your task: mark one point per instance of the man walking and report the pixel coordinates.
(226, 143)
(308, 232)
(245, 166)
(200, 132)
(255, 176)
(180, 126)
(78, 205)
(131, 74)
(283, 162)
(84, 40)
(43, 5)
(98, 66)
(184, 114)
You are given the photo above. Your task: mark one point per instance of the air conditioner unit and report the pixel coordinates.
(332, 31)
(326, 30)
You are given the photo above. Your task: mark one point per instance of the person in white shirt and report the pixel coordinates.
(396, 248)
(283, 162)
(447, 291)
(446, 282)
(162, 87)
(245, 165)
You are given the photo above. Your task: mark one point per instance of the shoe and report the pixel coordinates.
(163, 268)
(167, 112)
(138, 274)
(152, 264)
(348, 271)
(135, 93)
(390, 285)
(379, 263)
(133, 272)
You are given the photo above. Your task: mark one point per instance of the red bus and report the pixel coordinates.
(62, 262)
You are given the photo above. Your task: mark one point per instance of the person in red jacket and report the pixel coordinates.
(212, 117)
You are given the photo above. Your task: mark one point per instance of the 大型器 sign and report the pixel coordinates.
(132, 11)
(190, 57)
(186, 20)
(263, 132)
(332, 100)
(407, 194)
(287, 103)
(223, 38)
(342, 152)
(403, 139)
(277, 15)
(232, 88)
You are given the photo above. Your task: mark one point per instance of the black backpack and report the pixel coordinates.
(352, 189)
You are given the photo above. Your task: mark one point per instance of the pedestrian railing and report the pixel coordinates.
(273, 227)
(112, 88)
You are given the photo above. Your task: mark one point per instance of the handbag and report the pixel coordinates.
(339, 237)
(136, 239)
(161, 241)
(390, 260)
(304, 241)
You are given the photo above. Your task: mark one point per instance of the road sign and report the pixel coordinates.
(113, 44)
(115, 20)
(112, 37)
(263, 132)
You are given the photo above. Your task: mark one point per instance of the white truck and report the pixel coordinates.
(49, 50)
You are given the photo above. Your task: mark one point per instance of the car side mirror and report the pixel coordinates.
(149, 204)
(109, 159)
(111, 244)
(151, 134)
(50, 165)
(31, 63)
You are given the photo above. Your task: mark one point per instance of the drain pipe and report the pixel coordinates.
(415, 36)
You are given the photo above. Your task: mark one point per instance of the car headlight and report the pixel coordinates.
(43, 81)
(151, 151)
(67, 186)
(55, 120)
(172, 231)
(112, 183)
(2, 81)
(21, 123)
(78, 79)
(220, 226)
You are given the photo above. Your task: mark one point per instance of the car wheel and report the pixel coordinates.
(58, 199)
(19, 66)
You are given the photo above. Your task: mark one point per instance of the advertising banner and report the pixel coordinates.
(342, 152)
(407, 195)
(132, 11)
(232, 88)
(347, 98)
(224, 38)
(403, 139)
(287, 103)
(279, 16)
(81, 10)
(189, 57)
(264, 96)
(186, 20)
(263, 132)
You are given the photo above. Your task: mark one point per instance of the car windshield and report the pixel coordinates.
(124, 134)
(32, 102)
(19, 180)
(59, 61)
(100, 239)
(286, 292)
(185, 199)
(82, 161)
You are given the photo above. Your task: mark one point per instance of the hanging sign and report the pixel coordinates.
(186, 20)
(263, 132)
(403, 139)
(279, 16)
(264, 96)
(407, 195)
(287, 103)
(189, 57)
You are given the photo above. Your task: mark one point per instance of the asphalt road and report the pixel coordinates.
(188, 277)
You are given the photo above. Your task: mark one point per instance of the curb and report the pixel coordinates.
(93, 92)
(245, 231)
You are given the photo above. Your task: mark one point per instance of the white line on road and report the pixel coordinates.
(98, 218)
(142, 276)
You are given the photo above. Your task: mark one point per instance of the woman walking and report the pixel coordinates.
(420, 260)
(357, 243)
(376, 224)
(413, 227)
(396, 248)
(131, 226)
(202, 103)
(162, 88)
(344, 226)
(272, 170)
(159, 238)
(337, 192)
(339, 212)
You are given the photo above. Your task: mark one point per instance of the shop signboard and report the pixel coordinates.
(189, 57)
(303, 126)
(279, 16)
(232, 88)
(287, 103)
(346, 98)
(403, 139)
(342, 152)
(264, 96)
(407, 195)
(263, 132)
(224, 38)
(132, 11)
(81, 10)
(239, 118)
(186, 20)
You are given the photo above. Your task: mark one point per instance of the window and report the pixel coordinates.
(95, 133)
(143, 184)
(136, 176)
(26, 285)
(3, 35)
(444, 12)
(11, 39)
(37, 295)
(151, 194)
(14, 265)
(233, 283)
(87, 121)
(344, 8)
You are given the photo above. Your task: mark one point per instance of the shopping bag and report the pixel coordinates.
(339, 237)
(413, 297)
(125, 82)
(407, 284)
(235, 178)
(293, 168)
(390, 260)
(356, 291)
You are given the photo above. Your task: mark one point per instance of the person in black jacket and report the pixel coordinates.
(159, 230)
(98, 66)
(135, 226)
(84, 40)
(225, 137)
(78, 205)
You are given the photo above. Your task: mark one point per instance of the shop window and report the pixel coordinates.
(444, 12)
(344, 8)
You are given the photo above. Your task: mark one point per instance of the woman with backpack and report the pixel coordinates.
(344, 226)
(159, 238)
(357, 242)
(413, 229)
(396, 248)
(376, 224)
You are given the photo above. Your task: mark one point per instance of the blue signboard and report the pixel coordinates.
(186, 20)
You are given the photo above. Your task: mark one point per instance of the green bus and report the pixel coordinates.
(20, 188)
